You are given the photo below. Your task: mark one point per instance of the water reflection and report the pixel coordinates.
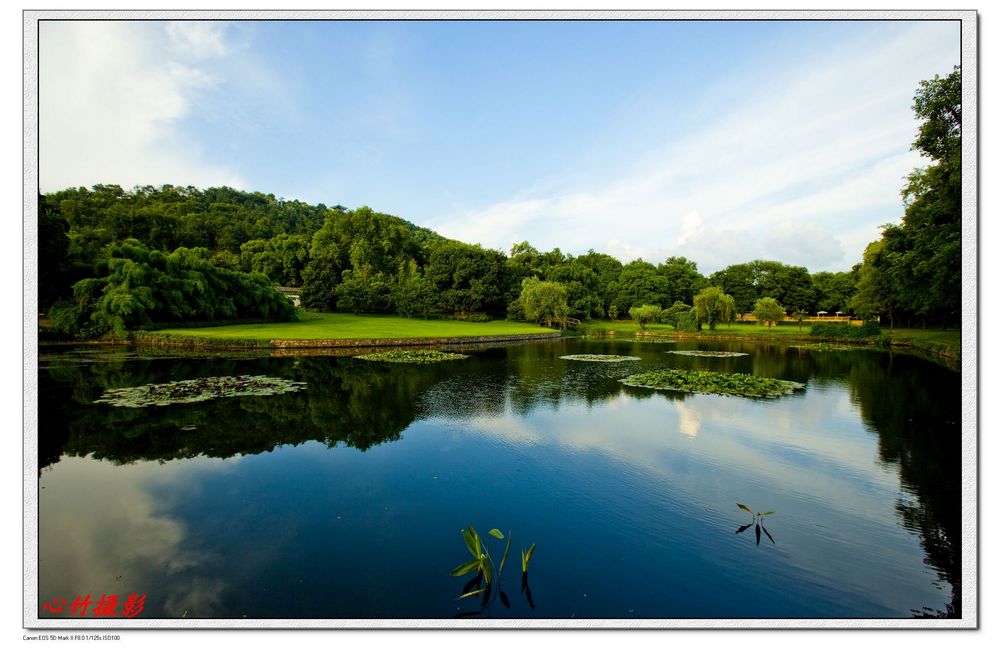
(810, 455)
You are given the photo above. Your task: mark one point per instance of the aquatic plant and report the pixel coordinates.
(197, 390)
(526, 557)
(713, 382)
(598, 357)
(418, 356)
(826, 346)
(757, 521)
(486, 581)
(709, 354)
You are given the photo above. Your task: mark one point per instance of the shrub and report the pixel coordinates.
(867, 330)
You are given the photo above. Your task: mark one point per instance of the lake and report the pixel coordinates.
(346, 500)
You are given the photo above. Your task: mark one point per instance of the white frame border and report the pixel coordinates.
(970, 327)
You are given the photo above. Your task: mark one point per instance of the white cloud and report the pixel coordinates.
(198, 39)
(819, 148)
(113, 97)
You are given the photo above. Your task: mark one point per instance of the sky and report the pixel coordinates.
(720, 141)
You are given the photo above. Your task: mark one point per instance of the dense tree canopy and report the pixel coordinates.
(914, 274)
(146, 286)
(748, 282)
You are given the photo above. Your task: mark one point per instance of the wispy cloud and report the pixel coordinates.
(113, 97)
(803, 169)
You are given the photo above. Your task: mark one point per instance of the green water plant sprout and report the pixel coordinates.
(757, 521)
(481, 561)
(487, 572)
(526, 558)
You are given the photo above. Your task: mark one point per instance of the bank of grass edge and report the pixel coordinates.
(320, 326)
(944, 343)
(344, 326)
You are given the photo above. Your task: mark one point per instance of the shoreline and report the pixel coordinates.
(196, 342)
(947, 355)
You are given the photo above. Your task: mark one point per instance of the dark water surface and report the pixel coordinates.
(346, 500)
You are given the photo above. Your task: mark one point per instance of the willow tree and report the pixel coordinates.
(712, 306)
(544, 301)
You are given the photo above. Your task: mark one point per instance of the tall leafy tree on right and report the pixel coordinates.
(913, 275)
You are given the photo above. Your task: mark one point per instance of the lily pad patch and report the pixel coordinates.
(710, 354)
(198, 390)
(713, 382)
(826, 346)
(418, 356)
(598, 357)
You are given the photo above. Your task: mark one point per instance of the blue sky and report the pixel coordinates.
(719, 141)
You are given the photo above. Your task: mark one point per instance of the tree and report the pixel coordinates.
(712, 306)
(914, 270)
(834, 290)
(361, 293)
(53, 255)
(608, 270)
(640, 283)
(643, 315)
(319, 283)
(876, 294)
(544, 301)
(768, 311)
(678, 310)
(582, 286)
(683, 279)
(799, 316)
(467, 277)
(145, 287)
(740, 281)
(414, 295)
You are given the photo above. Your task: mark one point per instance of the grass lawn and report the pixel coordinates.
(629, 328)
(342, 326)
(951, 337)
(949, 341)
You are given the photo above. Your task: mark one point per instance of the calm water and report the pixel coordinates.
(346, 500)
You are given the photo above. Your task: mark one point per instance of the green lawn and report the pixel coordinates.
(949, 341)
(628, 328)
(342, 326)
